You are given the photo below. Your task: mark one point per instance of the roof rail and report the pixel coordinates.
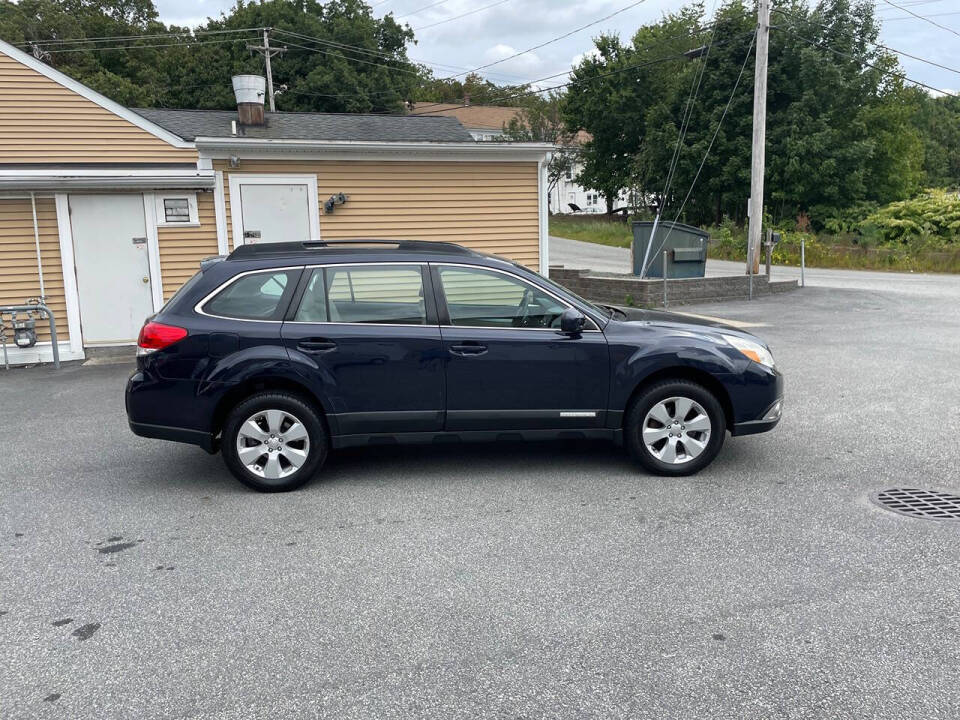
(290, 248)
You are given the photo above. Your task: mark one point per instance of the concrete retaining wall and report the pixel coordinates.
(632, 291)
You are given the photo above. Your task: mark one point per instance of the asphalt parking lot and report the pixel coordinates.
(137, 579)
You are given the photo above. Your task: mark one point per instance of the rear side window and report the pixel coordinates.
(258, 296)
(382, 294)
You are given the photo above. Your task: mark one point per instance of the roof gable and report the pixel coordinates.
(15, 56)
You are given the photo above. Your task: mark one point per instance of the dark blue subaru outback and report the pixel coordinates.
(278, 353)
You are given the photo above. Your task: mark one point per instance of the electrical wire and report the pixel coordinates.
(185, 44)
(890, 73)
(890, 18)
(685, 122)
(156, 36)
(875, 44)
(567, 72)
(921, 17)
(420, 10)
(457, 17)
(628, 68)
(359, 60)
(371, 52)
(553, 40)
(703, 161)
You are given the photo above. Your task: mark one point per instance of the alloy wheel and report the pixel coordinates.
(273, 444)
(676, 430)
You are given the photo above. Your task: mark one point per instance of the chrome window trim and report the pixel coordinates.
(420, 263)
(198, 308)
(520, 279)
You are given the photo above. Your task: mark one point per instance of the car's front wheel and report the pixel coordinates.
(274, 441)
(675, 428)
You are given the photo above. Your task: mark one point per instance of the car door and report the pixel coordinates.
(507, 365)
(368, 335)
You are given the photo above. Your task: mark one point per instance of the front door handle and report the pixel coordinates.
(468, 347)
(316, 346)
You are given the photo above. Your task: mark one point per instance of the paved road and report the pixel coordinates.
(603, 258)
(137, 580)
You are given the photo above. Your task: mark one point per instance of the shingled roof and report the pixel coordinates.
(191, 124)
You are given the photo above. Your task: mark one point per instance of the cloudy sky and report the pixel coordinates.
(509, 26)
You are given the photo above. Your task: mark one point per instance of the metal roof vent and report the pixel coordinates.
(250, 90)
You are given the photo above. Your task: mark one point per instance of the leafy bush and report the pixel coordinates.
(933, 215)
(848, 220)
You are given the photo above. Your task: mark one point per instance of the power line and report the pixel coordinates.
(663, 41)
(695, 84)
(372, 52)
(921, 17)
(875, 44)
(186, 44)
(553, 40)
(457, 17)
(155, 36)
(890, 73)
(420, 10)
(359, 60)
(706, 154)
(587, 81)
(907, 17)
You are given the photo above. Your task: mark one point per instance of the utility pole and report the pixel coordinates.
(268, 52)
(757, 162)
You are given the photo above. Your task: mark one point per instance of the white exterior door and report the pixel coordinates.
(274, 208)
(113, 267)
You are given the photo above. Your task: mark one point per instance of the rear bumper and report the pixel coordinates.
(175, 434)
(156, 407)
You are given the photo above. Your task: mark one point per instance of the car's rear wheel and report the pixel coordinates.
(675, 428)
(274, 441)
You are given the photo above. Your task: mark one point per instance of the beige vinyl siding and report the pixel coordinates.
(42, 121)
(19, 277)
(182, 248)
(488, 206)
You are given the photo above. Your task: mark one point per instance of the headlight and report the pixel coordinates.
(753, 350)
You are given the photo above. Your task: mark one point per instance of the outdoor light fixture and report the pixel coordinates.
(333, 201)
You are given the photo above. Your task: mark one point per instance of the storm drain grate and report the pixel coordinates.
(929, 504)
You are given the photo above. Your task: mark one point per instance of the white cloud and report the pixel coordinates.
(520, 65)
(580, 57)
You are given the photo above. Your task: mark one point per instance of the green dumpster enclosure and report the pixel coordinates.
(686, 248)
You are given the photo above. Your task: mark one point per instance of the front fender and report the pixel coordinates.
(649, 350)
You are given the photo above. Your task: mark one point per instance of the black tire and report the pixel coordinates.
(652, 396)
(304, 412)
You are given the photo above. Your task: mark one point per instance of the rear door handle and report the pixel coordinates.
(468, 347)
(316, 346)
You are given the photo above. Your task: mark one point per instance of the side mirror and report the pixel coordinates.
(572, 321)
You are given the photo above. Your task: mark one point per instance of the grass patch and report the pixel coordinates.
(921, 253)
(602, 230)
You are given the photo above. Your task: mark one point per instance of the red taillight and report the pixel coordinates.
(156, 336)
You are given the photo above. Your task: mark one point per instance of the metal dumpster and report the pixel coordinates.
(686, 248)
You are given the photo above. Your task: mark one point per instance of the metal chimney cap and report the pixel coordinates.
(249, 88)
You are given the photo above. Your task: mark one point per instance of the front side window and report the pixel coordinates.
(381, 294)
(483, 298)
(258, 296)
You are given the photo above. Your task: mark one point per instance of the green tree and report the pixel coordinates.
(354, 63)
(841, 127)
